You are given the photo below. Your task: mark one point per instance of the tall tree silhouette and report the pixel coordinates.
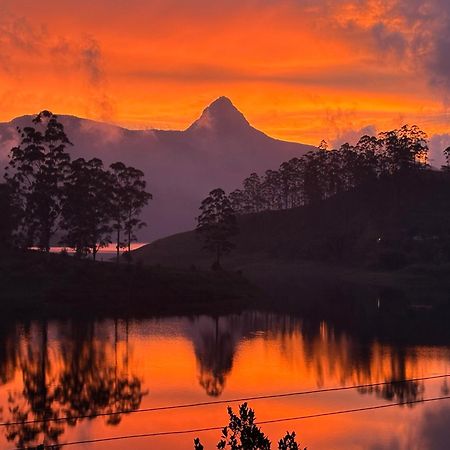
(129, 198)
(87, 207)
(35, 174)
(217, 224)
(405, 148)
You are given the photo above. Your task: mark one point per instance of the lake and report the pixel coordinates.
(67, 369)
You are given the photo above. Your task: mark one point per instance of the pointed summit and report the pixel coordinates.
(222, 104)
(221, 115)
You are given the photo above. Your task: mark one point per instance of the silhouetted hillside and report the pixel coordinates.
(388, 224)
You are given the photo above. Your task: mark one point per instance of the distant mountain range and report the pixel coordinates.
(219, 149)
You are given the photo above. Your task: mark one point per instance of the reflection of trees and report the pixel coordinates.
(214, 349)
(410, 391)
(7, 352)
(330, 355)
(88, 386)
(37, 401)
(355, 361)
(81, 383)
(401, 392)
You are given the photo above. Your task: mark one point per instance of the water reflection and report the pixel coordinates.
(78, 381)
(64, 369)
(215, 344)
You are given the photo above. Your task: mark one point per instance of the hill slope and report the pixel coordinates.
(388, 224)
(220, 149)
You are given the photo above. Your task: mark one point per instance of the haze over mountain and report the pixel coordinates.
(220, 149)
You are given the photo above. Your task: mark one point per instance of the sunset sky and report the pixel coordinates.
(299, 70)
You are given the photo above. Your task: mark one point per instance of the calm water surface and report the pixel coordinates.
(63, 369)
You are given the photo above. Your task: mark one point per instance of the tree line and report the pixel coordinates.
(323, 173)
(48, 195)
(309, 179)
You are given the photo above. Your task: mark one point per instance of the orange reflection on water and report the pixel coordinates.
(63, 369)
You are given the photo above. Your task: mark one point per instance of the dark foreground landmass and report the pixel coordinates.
(384, 246)
(35, 283)
(389, 238)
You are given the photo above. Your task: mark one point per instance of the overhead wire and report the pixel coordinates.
(224, 401)
(217, 428)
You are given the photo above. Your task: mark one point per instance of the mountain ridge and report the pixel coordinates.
(219, 149)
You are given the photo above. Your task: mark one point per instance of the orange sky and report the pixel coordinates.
(299, 70)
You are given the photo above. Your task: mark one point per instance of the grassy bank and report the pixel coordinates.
(52, 284)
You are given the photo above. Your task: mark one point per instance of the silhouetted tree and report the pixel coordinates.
(253, 193)
(87, 207)
(35, 174)
(242, 433)
(405, 148)
(129, 197)
(272, 187)
(238, 201)
(446, 167)
(217, 224)
(325, 172)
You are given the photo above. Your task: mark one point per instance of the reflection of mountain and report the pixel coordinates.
(80, 382)
(220, 149)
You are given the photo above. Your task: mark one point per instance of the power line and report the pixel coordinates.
(219, 428)
(221, 402)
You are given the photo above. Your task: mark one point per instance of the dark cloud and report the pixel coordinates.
(387, 40)
(91, 60)
(338, 76)
(418, 34)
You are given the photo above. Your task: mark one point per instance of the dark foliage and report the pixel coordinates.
(217, 224)
(35, 175)
(129, 197)
(324, 173)
(87, 207)
(242, 433)
(81, 199)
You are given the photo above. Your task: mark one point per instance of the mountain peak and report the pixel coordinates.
(222, 103)
(220, 115)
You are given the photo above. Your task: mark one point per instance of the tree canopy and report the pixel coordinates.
(325, 172)
(81, 200)
(217, 224)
